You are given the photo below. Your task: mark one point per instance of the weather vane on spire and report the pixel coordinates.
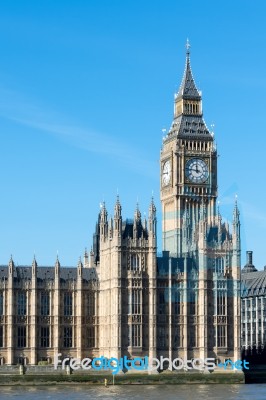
(188, 46)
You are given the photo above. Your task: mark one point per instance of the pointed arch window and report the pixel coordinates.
(219, 265)
(45, 336)
(176, 301)
(134, 302)
(91, 336)
(68, 304)
(21, 336)
(45, 303)
(221, 302)
(91, 304)
(135, 262)
(68, 336)
(162, 302)
(221, 336)
(21, 303)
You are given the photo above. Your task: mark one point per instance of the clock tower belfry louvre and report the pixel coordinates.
(200, 254)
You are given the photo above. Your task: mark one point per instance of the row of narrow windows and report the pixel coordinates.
(136, 262)
(219, 337)
(197, 190)
(251, 303)
(253, 315)
(220, 301)
(190, 108)
(194, 145)
(135, 336)
(44, 337)
(21, 303)
(135, 301)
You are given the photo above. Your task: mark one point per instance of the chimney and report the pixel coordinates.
(249, 257)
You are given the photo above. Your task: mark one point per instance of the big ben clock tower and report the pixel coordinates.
(188, 167)
(203, 255)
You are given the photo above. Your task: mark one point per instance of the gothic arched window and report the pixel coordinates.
(219, 265)
(134, 262)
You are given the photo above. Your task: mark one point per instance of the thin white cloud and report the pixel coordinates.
(18, 109)
(254, 214)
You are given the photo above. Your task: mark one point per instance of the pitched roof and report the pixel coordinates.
(192, 126)
(188, 88)
(128, 229)
(47, 273)
(253, 283)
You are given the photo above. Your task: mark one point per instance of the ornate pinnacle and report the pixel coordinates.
(188, 47)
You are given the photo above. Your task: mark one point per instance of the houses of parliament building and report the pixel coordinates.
(124, 299)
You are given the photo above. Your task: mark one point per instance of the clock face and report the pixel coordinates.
(196, 170)
(166, 174)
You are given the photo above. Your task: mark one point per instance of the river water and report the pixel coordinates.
(165, 392)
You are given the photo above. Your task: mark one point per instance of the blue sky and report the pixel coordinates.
(86, 88)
